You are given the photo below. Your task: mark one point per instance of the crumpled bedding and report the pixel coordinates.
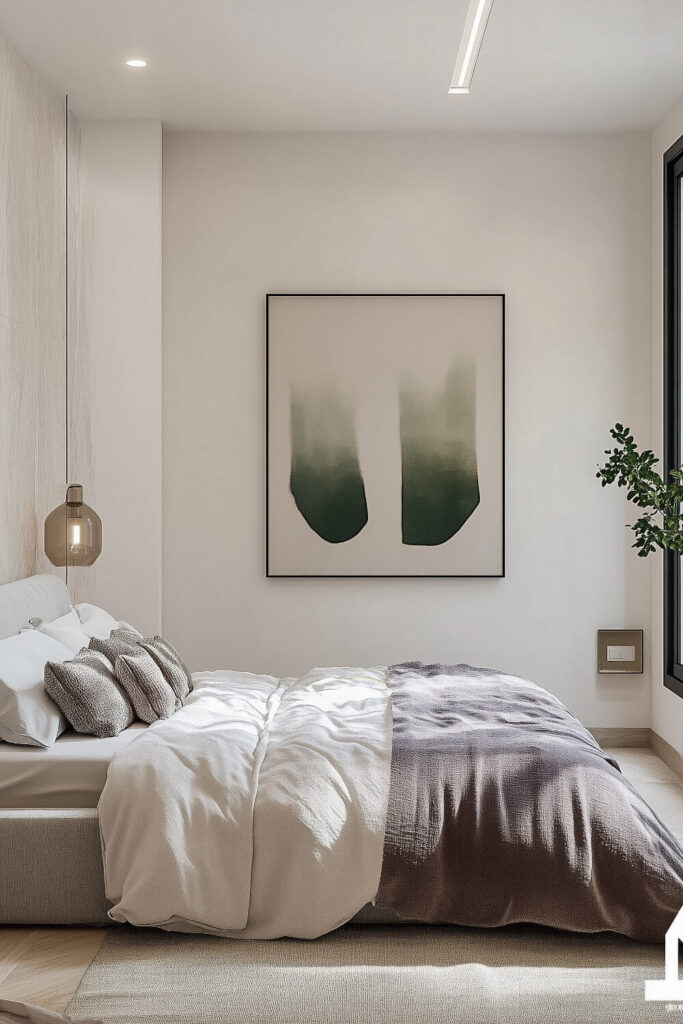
(280, 807)
(257, 810)
(503, 809)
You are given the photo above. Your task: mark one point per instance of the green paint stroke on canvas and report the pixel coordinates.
(326, 480)
(440, 486)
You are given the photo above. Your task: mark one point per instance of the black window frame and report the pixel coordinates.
(673, 179)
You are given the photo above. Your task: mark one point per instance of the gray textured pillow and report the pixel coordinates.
(88, 694)
(121, 641)
(145, 684)
(172, 665)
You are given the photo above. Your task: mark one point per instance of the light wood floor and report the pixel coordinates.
(45, 965)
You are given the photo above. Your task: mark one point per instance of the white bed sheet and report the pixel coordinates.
(70, 773)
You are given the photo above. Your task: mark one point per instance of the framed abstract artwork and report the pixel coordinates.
(385, 435)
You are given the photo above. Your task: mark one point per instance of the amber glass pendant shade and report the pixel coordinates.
(73, 531)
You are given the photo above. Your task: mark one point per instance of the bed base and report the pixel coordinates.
(51, 867)
(51, 870)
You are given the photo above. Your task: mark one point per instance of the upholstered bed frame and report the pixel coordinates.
(50, 859)
(51, 867)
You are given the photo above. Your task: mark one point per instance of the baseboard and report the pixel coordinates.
(668, 754)
(641, 738)
(622, 737)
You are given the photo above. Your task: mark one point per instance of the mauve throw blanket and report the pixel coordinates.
(503, 808)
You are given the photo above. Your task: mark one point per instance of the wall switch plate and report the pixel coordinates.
(620, 650)
(620, 653)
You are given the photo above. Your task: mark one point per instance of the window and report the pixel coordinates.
(673, 420)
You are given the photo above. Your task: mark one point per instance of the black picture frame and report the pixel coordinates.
(673, 172)
(377, 576)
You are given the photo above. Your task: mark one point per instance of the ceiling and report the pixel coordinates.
(357, 65)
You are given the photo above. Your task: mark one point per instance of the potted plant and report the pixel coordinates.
(661, 524)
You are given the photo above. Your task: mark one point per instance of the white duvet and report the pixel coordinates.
(257, 810)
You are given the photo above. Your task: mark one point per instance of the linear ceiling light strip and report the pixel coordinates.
(470, 45)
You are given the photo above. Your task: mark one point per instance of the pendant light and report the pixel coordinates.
(73, 530)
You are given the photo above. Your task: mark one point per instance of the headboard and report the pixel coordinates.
(43, 596)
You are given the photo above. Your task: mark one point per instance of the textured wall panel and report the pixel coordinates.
(79, 261)
(32, 315)
(120, 167)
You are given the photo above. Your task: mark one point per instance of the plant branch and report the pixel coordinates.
(661, 526)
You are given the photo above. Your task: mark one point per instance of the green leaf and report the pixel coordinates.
(661, 524)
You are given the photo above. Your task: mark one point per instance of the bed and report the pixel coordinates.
(266, 807)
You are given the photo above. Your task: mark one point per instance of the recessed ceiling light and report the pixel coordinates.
(473, 34)
(136, 63)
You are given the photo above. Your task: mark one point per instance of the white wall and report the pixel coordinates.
(122, 173)
(667, 707)
(562, 226)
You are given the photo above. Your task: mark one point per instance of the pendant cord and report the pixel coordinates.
(66, 303)
(66, 287)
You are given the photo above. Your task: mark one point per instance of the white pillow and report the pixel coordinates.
(77, 628)
(67, 629)
(95, 621)
(27, 715)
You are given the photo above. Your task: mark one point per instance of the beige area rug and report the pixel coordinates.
(372, 975)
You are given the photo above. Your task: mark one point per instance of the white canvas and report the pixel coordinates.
(384, 377)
